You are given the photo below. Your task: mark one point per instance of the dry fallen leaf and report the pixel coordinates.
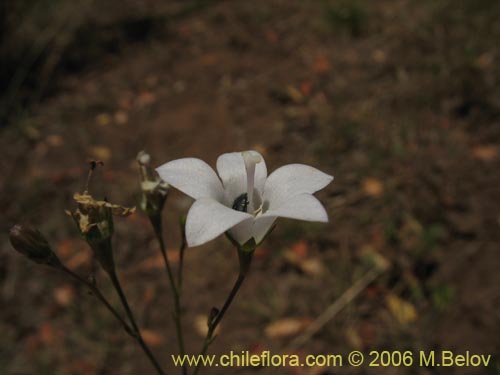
(151, 337)
(294, 94)
(54, 140)
(298, 256)
(321, 65)
(285, 328)
(261, 252)
(272, 37)
(312, 266)
(80, 259)
(145, 98)
(148, 295)
(300, 249)
(305, 88)
(64, 295)
(485, 152)
(379, 56)
(157, 262)
(100, 152)
(46, 333)
(74, 252)
(402, 310)
(373, 187)
(121, 117)
(103, 119)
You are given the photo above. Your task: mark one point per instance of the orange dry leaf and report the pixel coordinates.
(485, 152)
(261, 252)
(285, 328)
(298, 256)
(157, 262)
(209, 59)
(312, 266)
(373, 187)
(272, 36)
(305, 88)
(321, 65)
(294, 94)
(46, 333)
(74, 253)
(151, 337)
(300, 249)
(148, 295)
(64, 295)
(121, 117)
(103, 119)
(81, 259)
(54, 140)
(146, 98)
(101, 152)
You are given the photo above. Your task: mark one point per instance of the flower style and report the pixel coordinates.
(247, 202)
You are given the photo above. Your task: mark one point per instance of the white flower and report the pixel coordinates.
(247, 202)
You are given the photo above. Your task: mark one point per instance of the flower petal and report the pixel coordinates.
(232, 171)
(193, 177)
(208, 218)
(291, 180)
(301, 207)
(261, 226)
(242, 232)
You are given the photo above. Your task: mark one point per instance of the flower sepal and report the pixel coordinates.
(154, 190)
(247, 247)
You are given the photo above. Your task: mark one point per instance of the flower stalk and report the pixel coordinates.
(31, 243)
(154, 194)
(245, 256)
(136, 331)
(157, 226)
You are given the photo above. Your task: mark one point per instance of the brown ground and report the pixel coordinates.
(398, 99)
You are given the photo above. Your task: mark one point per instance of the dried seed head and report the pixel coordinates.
(94, 220)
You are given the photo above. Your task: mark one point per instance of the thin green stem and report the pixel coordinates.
(175, 289)
(128, 311)
(245, 261)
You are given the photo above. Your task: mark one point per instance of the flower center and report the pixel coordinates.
(241, 203)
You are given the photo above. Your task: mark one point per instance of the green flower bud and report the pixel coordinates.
(32, 244)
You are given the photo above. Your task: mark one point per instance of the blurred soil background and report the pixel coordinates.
(399, 100)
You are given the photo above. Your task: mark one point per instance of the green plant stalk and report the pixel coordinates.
(130, 315)
(157, 226)
(245, 261)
